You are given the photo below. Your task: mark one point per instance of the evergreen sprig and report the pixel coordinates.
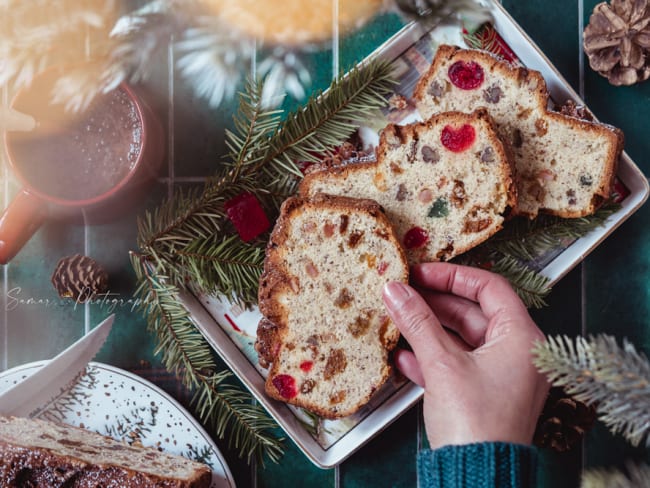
(531, 286)
(527, 239)
(188, 241)
(514, 251)
(186, 353)
(598, 371)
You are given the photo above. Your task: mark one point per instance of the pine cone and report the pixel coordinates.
(617, 41)
(563, 422)
(79, 277)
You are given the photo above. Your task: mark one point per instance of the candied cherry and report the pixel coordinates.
(415, 237)
(306, 366)
(286, 385)
(458, 139)
(466, 76)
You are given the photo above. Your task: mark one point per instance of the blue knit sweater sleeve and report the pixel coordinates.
(482, 465)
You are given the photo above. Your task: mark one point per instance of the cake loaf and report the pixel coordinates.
(565, 166)
(40, 454)
(444, 183)
(325, 333)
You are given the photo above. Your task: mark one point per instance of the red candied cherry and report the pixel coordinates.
(415, 237)
(458, 140)
(247, 215)
(466, 76)
(286, 385)
(306, 366)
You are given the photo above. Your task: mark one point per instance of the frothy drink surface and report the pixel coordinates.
(85, 155)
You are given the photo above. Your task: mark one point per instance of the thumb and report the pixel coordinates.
(416, 321)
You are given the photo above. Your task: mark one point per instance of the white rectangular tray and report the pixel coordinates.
(231, 331)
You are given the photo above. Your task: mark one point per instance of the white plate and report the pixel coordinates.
(231, 331)
(114, 402)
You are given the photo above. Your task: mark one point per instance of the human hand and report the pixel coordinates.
(479, 380)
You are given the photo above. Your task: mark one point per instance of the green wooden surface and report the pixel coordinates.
(608, 293)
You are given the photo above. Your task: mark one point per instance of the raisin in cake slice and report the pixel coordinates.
(444, 183)
(43, 454)
(325, 330)
(565, 166)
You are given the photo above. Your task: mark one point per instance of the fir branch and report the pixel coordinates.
(515, 251)
(227, 265)
(245, 424)
(261, 152)
(600, 372)
(327, 120)
(187, 240)
(527, 239)
(186, 353)
(531, 286)
(637, 475)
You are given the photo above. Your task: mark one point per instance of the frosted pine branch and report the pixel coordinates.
(637, 475)
(616, 379)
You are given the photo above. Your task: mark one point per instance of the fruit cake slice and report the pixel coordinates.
(325, 330)
(445, 183)
(41, 454)
(565, 166)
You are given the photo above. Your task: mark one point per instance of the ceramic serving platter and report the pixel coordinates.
(119, 404)
(231, 330)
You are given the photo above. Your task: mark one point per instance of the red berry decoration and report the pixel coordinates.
(247, 215)
(415, 237)
(458, 140)
(286, 385)
(466, 76)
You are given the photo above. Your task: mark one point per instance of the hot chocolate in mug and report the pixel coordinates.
(76, 165)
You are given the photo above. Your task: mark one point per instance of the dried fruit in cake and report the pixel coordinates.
(325, 331)
(445, 183)
(564, 165)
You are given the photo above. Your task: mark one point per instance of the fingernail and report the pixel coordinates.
(396, 293)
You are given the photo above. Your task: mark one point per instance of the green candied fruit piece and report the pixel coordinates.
(439, 209)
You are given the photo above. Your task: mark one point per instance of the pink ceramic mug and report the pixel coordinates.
(81, 165)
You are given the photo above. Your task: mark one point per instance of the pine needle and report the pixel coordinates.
(599, 372)
(516, 251)
(531, 286)
(528, 239)
(231, 411)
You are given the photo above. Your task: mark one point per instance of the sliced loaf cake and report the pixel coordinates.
(444, 183)
(41, 454)
(325, 332)
(565, 166)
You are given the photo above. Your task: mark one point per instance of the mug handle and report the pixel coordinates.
(19, 222)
